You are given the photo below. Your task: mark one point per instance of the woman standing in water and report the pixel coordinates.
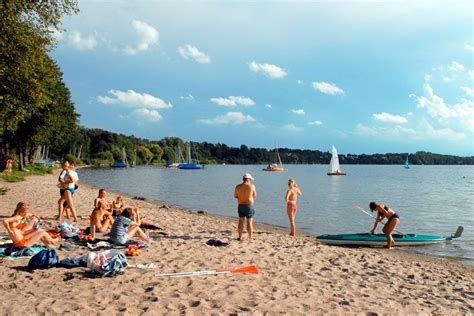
(291, 206)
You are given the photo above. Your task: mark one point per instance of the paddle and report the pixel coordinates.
(370, 215)
(248, 269)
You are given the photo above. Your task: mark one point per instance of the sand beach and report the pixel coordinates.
(296, 276)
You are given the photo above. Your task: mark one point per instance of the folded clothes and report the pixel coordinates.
(16, 252)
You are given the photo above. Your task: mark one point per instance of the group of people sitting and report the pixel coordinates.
(122, 222)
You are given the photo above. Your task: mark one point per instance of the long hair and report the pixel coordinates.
(19, 207)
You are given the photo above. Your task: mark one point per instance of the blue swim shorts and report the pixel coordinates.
(246, 211)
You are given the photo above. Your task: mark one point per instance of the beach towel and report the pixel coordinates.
(7, 252)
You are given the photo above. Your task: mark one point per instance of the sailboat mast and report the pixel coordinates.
(188, 152)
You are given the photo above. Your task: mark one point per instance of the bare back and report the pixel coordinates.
(245, 193)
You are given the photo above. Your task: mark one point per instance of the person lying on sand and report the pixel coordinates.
(22, 234)
(245, 193)
(291, 207)
(392, 221)
(125, 228)
(101, 219)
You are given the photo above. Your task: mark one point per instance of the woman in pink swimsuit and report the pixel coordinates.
(291, 207)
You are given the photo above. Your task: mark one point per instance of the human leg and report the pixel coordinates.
(291, 217)
(240, 227)
(137, 231)
(70, 203)
(43, 236)
(388, 229)
(250, 227)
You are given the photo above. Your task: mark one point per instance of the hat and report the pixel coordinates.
(248, 176)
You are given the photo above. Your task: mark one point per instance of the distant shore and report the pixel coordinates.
(297, 276)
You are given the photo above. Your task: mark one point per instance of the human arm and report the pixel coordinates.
(235, 193)
(254, 193)
(287, 195)
(7, 223)
(378, 219)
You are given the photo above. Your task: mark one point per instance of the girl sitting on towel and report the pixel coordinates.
(22, 234)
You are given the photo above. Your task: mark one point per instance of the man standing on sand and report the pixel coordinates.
(245, 193)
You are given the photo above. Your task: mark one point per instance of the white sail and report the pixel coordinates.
(334, 164)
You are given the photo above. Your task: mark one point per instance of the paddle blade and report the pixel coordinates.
(248, 269)
(458, 232)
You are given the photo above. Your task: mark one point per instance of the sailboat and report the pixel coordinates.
(191, 163)
(277, 166)
(334, 168)
(178, 159)
(121, 163)
(406, 163)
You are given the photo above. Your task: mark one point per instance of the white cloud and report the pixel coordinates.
(327, 88)
(269, 70)
(298, 111)
(299, 82)
(229, 118)
(147, 115)
(82, 43)
(456, 67)
(233, 101)
(468, 91)
(292, 128)
(188, 97)
(459, 115)
(471, 74)
(428, 78)
(424, 131)
(469, 47)
(268, 106)
(192, 52)
(447, 79)
(390, 118)
(134, 99)
(147, 36)
(314, 123)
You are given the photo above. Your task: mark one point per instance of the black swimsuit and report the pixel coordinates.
(394, 215)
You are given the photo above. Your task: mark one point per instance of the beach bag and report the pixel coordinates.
(107, 263)
(44, 259)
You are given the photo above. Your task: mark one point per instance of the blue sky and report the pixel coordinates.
(366, 76)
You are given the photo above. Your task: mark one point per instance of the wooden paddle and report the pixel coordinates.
(247, 269)
(370, 215)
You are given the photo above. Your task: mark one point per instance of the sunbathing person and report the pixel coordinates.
(117, 206)
(125, 228)
(101, 219)
(20, 232)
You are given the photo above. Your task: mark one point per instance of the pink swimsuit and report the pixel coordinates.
(292, 205)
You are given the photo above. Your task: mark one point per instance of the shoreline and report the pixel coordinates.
(296, 276)
(284, 230)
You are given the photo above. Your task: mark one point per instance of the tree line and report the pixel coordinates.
(37, 112)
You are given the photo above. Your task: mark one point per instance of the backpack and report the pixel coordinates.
(107, 263)
(44, 259)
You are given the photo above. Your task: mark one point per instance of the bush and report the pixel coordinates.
(37, 169)
(71, 158)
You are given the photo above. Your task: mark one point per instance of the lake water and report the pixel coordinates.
(429, 199)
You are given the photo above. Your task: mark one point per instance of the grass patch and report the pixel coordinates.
(13, 177)
(3, 191)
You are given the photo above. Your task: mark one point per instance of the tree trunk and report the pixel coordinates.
(20, 155)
